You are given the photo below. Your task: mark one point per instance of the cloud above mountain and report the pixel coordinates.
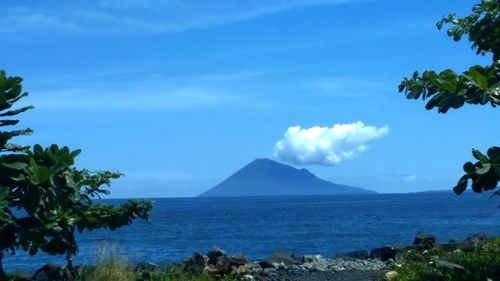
(326, 146)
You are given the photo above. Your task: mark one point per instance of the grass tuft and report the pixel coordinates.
(110, 266)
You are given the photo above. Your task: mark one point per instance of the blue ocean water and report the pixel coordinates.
(256, 226)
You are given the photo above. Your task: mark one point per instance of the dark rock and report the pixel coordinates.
(265, 264)
(51, 272)
(281, 257)
(223, 265)
(196, 264)
(213, 272)
(214, 254)
(424, 239)
(467, 247)
(298, 258)
(146, 266)
(477, 238)
(238, 260)
(361, 254)
(449, 266)
(383, 253)
(449, 247)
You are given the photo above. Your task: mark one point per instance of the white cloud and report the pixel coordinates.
(326, 146)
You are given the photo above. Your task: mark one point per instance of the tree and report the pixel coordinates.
(479, 85)
(53, 199)
(11, 156)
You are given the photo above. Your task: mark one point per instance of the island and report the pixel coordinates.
(265, 177)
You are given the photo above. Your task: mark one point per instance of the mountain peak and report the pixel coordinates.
(266, 177)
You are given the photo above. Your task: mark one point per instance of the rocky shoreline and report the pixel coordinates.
(378, 264)
(361, 265)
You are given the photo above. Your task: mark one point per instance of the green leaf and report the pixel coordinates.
(494, 154)
(462, 185)
(17, 111)
(15, 165)
(478, 155)
(483, 168)
(42, 174)
(4, 192)
(476, 78)
(469, 168)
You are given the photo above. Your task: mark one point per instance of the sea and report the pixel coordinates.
(258, 226)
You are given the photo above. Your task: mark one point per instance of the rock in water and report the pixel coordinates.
(298, 258)
(51, 272)
(383, 253)
(238, 260)
(361, 254)
(196, 264)
(477, 238)
(424, 239)
(214, 254)
(281, 257)
(223, 265)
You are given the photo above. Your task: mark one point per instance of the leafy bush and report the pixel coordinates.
(52, 197)
(479, 85)
(480, 262)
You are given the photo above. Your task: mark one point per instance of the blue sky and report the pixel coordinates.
(180, 94)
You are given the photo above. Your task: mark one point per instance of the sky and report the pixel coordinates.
(178, 95)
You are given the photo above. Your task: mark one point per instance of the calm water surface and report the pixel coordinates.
(323, 225)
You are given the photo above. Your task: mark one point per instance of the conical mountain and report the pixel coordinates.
(265, 177)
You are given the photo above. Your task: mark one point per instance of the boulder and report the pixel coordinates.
(214, 254)
(241, 270)
(477, 238)
(265, 264)
(361, 254)
(424, 239)
(223, 265)
(212, 271)
(146, 266)
(298, 258)
(196, 264)
(390, 276)
(281, 257)
(51, 272)
(238, 260)
(449, 247)
(383, 253)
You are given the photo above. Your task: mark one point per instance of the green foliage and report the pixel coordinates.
(484, 174)
(482, 28)
(57, 199)
(447, 89)
(11, 157)
(44, 198)
(479, 85)
(481, 263)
